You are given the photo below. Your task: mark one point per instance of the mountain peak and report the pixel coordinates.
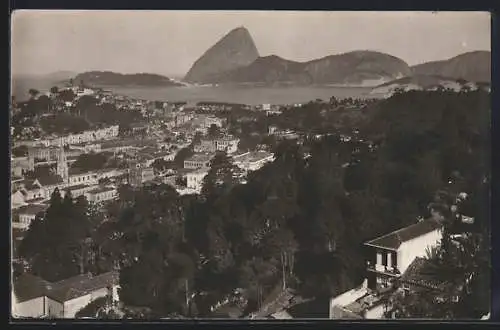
(236, 49)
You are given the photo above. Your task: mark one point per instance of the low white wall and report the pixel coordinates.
(350, 296)
(375, 313)
(30, 308)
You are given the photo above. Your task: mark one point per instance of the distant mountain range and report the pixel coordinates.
(355, 68)
(235, 60)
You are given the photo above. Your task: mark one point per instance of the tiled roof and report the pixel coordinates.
(32, 209)
(200, 158)
(77, 187)
(81, 285)
(396, 238)
(50, 180)
(100, 190)
(28, 287)
(29, 184)
(78, 171)
(415, 274)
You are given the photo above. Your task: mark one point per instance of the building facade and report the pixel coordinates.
(391, 254)
(198, 161)
(194, 179)
(34, 297)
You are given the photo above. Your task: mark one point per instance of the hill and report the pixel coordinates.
(358, 68)
(234, 50)
(427, 83)
(21, 83)
(471, 66)
(268, 69)
(108, 78)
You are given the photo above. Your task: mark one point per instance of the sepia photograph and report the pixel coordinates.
(250, 165)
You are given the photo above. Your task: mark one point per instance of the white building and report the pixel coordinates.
(101, 194)
(394, 252)
(254, 160)
(195, 178)
(228, 144)
(37, 298)
(198, 161)
(391, 256)
(83, 137)
(22, 217)
(77, 190)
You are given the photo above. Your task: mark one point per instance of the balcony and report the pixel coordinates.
(381, 269)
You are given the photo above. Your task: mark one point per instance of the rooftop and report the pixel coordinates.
(30, 184)
(202, 170)
(77, 187)
(100, 190)
(49, 180)
(200, 158)
(77, 171)
(36, 200)
(81, 285)
(252, 156)
(394, 239)
(416, 274)
(32, 209)
(29, 286)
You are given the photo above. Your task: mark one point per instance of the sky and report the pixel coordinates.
(168, 42)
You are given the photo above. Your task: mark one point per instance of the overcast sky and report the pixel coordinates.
(168, 42)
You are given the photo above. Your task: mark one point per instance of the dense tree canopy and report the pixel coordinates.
(297, 222)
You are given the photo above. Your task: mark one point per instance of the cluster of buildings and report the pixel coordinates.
(197, 166)
(105, 133)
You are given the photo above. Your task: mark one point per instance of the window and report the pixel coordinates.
(384, 258)
(395, 260)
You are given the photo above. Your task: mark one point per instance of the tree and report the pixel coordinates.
(255, 275)
(221, 177)
(90, 162)
(44, 104)
(54, 90)
(182, 155)
(214, 131)
(66, 95)
(33, 93)
(67, 256)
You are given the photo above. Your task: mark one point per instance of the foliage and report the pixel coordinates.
(214, 131)
(67, 256)
(63, 123)
(90, 162)
(182, 155)
(297, 220)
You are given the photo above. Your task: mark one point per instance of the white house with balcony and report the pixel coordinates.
(391, 254)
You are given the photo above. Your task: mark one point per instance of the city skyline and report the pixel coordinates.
(49, 41)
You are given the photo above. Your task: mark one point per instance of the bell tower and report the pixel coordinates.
(62, 165)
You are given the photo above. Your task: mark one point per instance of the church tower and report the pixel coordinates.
(62, 165)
